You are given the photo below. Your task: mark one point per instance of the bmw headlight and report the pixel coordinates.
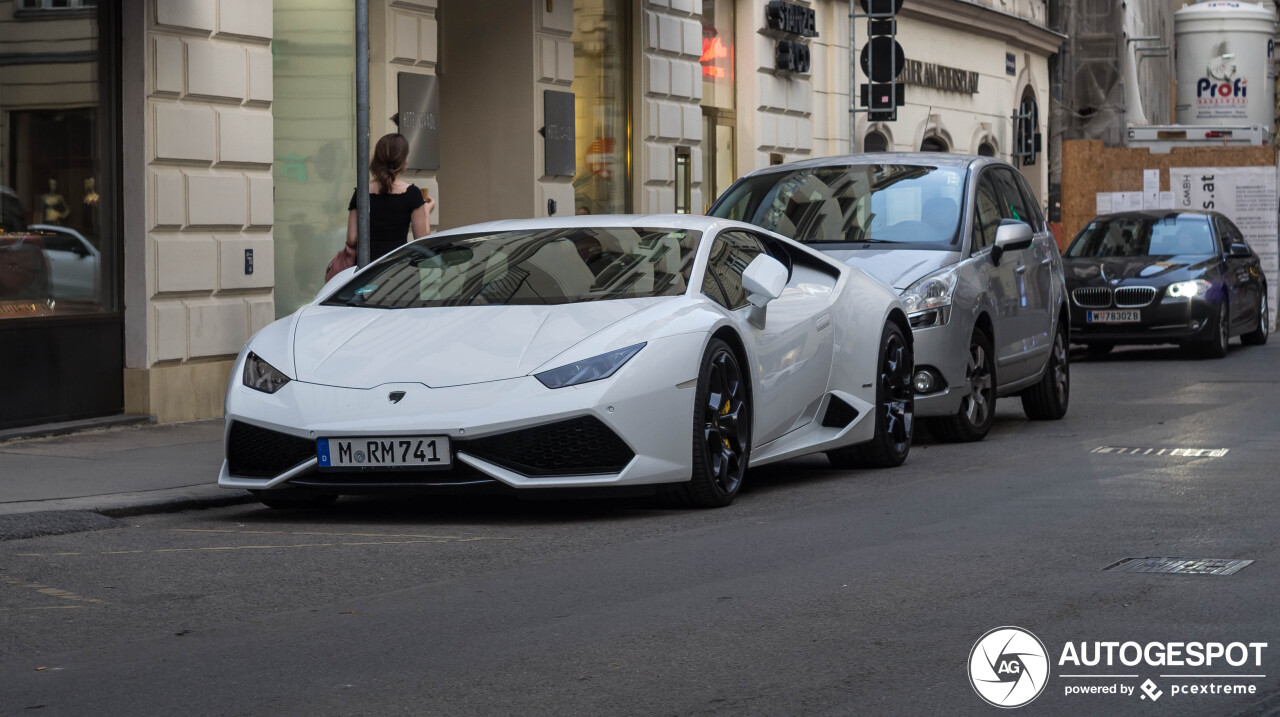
(928, 301)
(587, 370)
(1188, 289)
(262, 376)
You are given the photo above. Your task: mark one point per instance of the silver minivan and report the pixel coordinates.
(962, 239)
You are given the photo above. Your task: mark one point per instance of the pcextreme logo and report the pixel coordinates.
(1008, 667)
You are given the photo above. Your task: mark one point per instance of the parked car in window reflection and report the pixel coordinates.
(74, 262)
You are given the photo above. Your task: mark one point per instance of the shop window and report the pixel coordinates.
(875, 142)
(58, 247)
(600, 88)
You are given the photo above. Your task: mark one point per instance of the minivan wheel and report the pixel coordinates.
(1047, 400)
(978, 410)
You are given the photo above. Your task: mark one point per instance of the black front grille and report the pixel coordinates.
(579, 446)
(256, 452)
(1092, 297)
(839, 414)
(1132, 297)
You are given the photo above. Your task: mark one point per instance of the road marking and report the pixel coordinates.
(213, 548)
(335, 535)
(52, 592)
(1181, 452)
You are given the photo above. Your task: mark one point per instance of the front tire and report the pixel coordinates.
(895, 409)
(721, 430)
(1258, 336)
(1047, 400)
(288, 499)
(978, 410)
(1220, 335)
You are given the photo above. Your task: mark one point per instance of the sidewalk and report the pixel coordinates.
(116, 471)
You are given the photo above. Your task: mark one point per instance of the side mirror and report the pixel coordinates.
(763, 280)
(1238, 251)
(338, 280)
(1011, 235)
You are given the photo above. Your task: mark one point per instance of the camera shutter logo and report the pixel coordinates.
(1008, 667)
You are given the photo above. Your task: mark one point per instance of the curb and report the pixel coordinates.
(169, 500)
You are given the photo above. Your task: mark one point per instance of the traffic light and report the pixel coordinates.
(882, 61)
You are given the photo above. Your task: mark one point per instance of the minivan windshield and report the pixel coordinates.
(547, 266)
(865, 203)
(1169, 235)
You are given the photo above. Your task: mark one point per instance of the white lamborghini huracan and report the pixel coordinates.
(670, 351)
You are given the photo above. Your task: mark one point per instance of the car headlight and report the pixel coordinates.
(928, 301)
(1188, 289)
(262, 376)
(587, 370)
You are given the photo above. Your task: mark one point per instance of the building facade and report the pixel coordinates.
(202, 151)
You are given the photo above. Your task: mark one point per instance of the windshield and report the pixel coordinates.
(1144, 236)
(553, 266)
(869, 203)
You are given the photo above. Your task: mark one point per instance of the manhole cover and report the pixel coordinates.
(1179, 566)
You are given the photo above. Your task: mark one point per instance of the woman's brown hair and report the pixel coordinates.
(389, 157)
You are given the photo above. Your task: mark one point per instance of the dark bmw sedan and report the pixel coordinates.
(1156, 277)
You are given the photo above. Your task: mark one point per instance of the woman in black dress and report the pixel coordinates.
(394, 206)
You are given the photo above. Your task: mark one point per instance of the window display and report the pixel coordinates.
(57, 249)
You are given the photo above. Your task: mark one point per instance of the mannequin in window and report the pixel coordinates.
(53, 208)
(90, 202)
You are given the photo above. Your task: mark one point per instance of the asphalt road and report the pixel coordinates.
(818, 592)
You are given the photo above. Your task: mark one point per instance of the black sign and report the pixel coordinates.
(940, 77)
(792, 57)
(419, 118)
(1010, 64)
(882, 58)
(790, 18)
(559, 158)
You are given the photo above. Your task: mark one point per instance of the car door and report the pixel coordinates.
(1002, 281)
(1037, 267)
(792, 349)
(1242, 286)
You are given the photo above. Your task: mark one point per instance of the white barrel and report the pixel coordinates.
(1225, 68)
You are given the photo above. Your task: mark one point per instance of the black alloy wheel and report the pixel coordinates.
(978, 410)
(294, 499)
(1048, 399)
(895, 409)
(721, 430)
(1220, 334)
(1258, 336)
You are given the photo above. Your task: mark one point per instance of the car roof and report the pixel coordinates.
(931, 159)
(604, 221)
(1153, 214)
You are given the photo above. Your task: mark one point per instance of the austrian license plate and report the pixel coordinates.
(389, 452)
(1113, 317)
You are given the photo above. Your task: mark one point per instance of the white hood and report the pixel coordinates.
(446, 346)
(898, 268)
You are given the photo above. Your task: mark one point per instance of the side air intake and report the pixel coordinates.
(839, 414)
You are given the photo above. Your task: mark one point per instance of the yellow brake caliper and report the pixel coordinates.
(724, 412)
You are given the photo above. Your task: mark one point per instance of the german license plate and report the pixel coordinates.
(1113, 317)
(388, 452)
